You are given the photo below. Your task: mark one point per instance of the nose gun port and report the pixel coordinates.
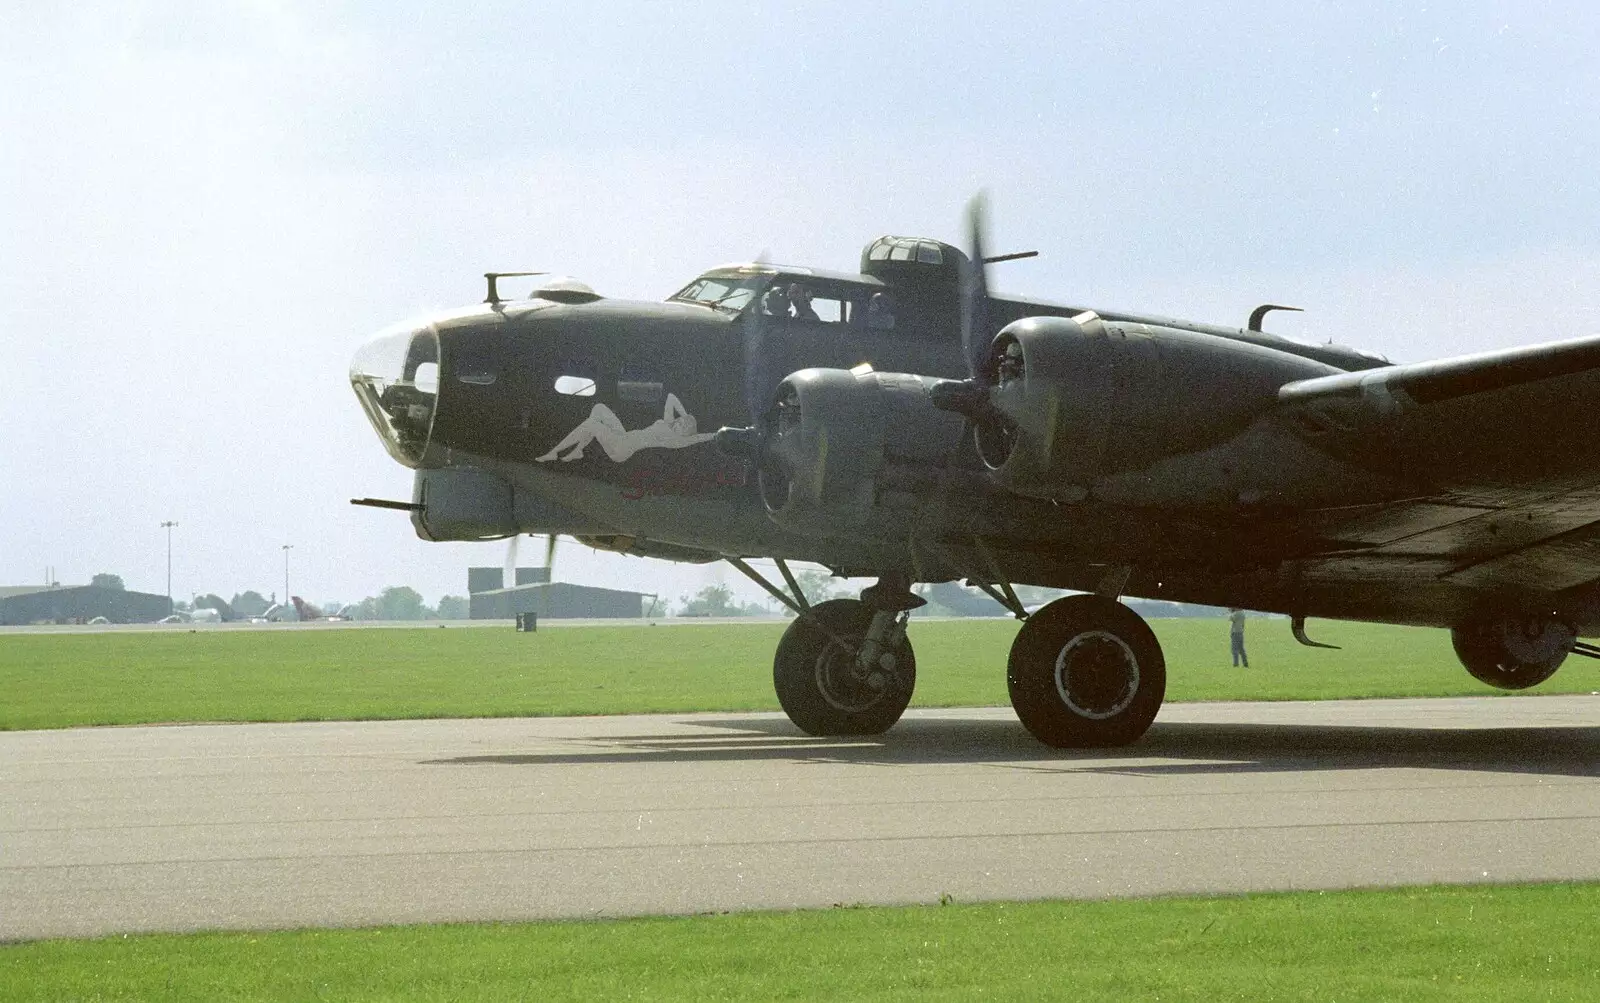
(396, 378)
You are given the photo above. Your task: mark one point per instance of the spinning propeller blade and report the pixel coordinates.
(975, 288)
(758, 378)
(509, 572)
(755, 367)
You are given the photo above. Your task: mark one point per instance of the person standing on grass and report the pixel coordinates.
(1236, 635)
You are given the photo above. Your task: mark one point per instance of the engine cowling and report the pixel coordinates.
(840, 444)
(1074, 402)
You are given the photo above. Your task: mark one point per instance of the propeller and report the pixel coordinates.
(975, 287)
(970, 397)
(757, 383)
(755, 335)
(514, 544)
(509, 573)
(993, 432)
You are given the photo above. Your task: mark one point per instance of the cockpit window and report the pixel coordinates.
(725, 292)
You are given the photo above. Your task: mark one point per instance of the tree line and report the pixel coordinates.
(397, 602)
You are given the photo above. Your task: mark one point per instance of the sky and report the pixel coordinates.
(207, 207)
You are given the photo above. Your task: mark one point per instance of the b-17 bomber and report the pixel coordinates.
(906, 423)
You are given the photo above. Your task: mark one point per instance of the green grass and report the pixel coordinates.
(1478, 943)
(62, 680)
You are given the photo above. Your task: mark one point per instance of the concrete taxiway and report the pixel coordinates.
(261, 826)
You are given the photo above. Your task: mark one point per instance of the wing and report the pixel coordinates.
(1518, 418)
(1507, 448)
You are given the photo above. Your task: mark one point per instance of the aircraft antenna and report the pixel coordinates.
(494, 277)
(1260, 313)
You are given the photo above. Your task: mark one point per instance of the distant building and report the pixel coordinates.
(485, 580)
(535, 593)
(25, 604)
(489, 579)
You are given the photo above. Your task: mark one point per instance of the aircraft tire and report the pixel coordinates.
(819, 684)
(1085, 672)
(1509, 653)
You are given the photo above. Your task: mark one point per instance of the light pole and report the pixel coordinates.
(286, 548)
(167, 525)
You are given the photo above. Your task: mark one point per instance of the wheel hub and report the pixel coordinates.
(844, 684)
(1097, 675)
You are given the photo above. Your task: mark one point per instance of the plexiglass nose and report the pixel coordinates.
(396, 378)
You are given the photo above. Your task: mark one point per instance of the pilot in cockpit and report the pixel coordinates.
(880, 312)
(776, 302)
(800, 299)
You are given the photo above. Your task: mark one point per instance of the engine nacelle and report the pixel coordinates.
(1078, 401)
(839, 444)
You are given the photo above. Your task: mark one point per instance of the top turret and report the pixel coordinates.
(913, 261)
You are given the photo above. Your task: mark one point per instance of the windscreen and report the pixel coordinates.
(725, 292)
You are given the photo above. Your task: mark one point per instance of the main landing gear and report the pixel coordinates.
(845, 666)
(1084, 670)
(858, 687)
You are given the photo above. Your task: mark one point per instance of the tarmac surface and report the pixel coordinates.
(117, 830)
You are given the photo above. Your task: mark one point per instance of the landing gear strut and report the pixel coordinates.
(845, 666)
(1086, 671)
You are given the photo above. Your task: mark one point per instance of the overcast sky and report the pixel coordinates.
(206, 207)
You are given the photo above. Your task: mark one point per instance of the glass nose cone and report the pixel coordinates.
(396, 378)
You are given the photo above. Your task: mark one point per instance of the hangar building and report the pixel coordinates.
(535, 593)
(25, 604)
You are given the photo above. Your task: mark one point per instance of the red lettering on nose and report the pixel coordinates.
(638, 484)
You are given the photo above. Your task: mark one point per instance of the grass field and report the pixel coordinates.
(62, 680)
(1483, 943)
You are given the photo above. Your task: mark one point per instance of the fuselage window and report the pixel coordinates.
(575, 386)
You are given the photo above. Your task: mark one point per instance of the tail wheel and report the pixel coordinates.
(1511, 652)
(1086, 671)
(822, 686)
